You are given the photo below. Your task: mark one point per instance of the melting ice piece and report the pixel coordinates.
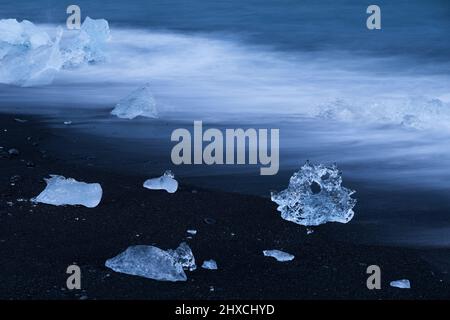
(209, 264)
(183, 255)
(61, 191)
(403, 284)
(149, 262)
(315, 196)
(87, 45)
(279, 255)
(165, 182)
(138, 103)
(28, 55)
(193, 232)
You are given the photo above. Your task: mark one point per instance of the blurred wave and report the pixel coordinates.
(208, 76)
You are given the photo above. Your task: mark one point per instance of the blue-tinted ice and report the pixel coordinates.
(138, 103)
(148, 262)
(87, 45)
(315, 196)
(279, 255)
(61, 191)
(154, 263)
(209, 264)
(402, 284)
(29, 56)
(165, 182)
(184, 256)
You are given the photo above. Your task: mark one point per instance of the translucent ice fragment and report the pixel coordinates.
(315, 196)
(165, 182)
(209, 264)
(402, 284)
(149, 262)
(138, 103)
(279, 255)
(61, 191)
(87, 45)
(28, 55)
(183, 255)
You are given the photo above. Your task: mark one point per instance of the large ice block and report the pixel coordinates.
(61, 191)
(315, 196)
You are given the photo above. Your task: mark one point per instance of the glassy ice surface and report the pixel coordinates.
(86, 45)
(279, 255)
(184, 256)
(61, 191)
(28, 56)
(138, 103)
(402, 284)
(315, 196)
(165, 182)
(209, 264)
(148, 262)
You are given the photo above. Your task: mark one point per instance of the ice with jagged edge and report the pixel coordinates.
(209, 264)
(315, 196)
(61, 191)
(86, 45)
(402, 284)
(279, 255)
(183, 255)
(28, 55)
(154, 263)
(140, 102)
(165, 182)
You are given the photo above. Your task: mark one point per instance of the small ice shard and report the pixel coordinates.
(315, 196)
(279, 255)
(67, 123)
(309, 231)
(183, 255)
(402, 284)
(87, 45)
(193, 232)
(165, 182)
(209, 220)
(28, 55)
(61, 191)
(148, 262)
(138, 103)
(13, 152)
(209, 264)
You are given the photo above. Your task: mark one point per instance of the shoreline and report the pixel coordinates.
(39, 242)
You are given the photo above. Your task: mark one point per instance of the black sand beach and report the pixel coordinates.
(38, 242)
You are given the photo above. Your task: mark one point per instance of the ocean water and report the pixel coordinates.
(376, 102)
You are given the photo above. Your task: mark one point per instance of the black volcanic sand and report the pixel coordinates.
(38, 242)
